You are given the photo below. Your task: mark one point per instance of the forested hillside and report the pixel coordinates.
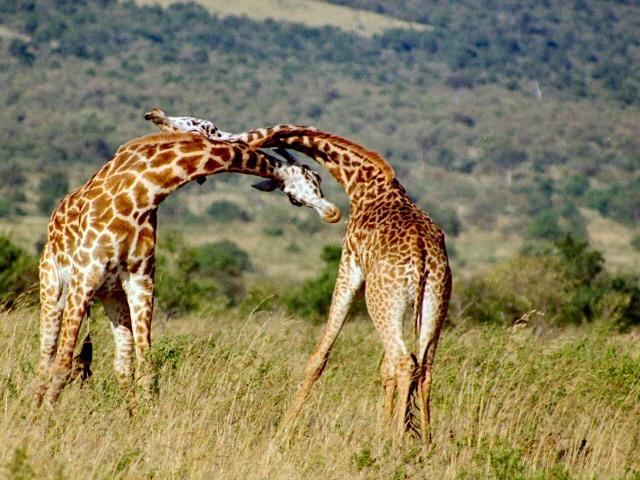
(510, 122)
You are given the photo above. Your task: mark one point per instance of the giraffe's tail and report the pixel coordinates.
(412, 420)
(422, 273)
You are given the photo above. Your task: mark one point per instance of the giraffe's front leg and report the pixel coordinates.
(139, 289)
(117, 310)
(347, 285)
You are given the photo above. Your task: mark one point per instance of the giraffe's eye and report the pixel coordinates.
(294, 201)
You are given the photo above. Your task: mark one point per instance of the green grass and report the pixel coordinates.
(507, 404)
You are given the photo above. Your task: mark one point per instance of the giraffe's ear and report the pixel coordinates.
(287, 155)
(267, 185)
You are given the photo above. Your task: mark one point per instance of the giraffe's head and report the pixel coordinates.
(302, 186)
(186, 124)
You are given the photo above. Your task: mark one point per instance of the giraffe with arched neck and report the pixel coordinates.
(395, 253)
(101, 243)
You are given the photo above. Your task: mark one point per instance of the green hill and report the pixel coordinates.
(510, 124)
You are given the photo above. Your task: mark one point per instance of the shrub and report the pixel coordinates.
(620, 201)
(576, 185)
(273, 231)
(225, 211)
(545, 226)
(307, 223)
(190, 278)
(512, 289)
(18, 272)
(22, 51)
(581, 264)
(52, 188)
(220, 258)
(567, 283)
(312, 299)
(5, 208)
(446, 217)
(635, 242)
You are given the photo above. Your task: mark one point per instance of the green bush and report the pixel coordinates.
(576, 185)
(189, 278)
(620, 201)
(273, 231)
(52, 188)
(312, 299)
(446, 217)
(225, 211)
(5, 208)
(511, 290)
(18, 272)
(565, 283)
(545, 226)
(307, 223)
(635, 243)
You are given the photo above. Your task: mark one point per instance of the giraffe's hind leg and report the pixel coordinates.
(117, 310)
(434, 313)
(387, 305)
(389, 384)
(139, 291)
(52, 301)
(347, 285)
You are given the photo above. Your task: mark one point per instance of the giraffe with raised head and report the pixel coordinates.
(395, 253)
(101, 243)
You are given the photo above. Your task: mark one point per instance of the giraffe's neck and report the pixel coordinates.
(167, 161)
(353, 166)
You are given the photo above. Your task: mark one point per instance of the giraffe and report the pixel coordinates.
(101, 243)
(395, 253)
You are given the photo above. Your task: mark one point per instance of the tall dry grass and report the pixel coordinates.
(507, 404)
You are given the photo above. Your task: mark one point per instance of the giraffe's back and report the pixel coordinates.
(389, 227)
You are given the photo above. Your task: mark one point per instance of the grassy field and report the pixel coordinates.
(530, 403)
(313, 13)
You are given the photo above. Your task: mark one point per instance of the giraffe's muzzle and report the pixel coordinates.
(333, 215)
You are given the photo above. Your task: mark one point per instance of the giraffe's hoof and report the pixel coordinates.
(40, 393)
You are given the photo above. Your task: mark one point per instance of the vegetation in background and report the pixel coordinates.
(573, 46)
(565, 284)
(18, 273)
(482, 115)
(225, 211)
(189, 278)
(52, 189)
(312, 298)
(487, 118)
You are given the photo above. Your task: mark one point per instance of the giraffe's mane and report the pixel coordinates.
(369, 155)
(164, 137)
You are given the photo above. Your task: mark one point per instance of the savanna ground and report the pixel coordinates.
(533, 402)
